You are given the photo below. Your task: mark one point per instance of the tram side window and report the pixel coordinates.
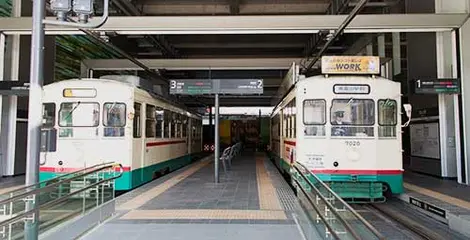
(352, 117)
(166, 124)
(159, 117)
(178, 125)
(286, 123)
(149, 121)
(137, 128)
(314, 117)
(48, 115)
(387, 109)
(293, 119)
(114, 119)
(184, 128)
(173, 125)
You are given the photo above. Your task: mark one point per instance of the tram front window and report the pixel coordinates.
(114, 119)
(314, 112)
(352, 117)
(77, 114)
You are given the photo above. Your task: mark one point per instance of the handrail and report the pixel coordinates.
(331, 207)
(60, 176)
(50, 187)
(61, 199)
(357, 215)
(318, 211)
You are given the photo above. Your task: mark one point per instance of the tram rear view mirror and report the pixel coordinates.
(408, 109)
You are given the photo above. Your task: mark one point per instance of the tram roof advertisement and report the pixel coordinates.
(350, 65)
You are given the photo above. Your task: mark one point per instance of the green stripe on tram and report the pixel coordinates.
(137, 177)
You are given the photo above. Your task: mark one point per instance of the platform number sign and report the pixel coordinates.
(216, 86)
(437, 86)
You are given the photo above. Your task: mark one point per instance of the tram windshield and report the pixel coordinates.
(355, 112)
(352, 117)
(79, 114)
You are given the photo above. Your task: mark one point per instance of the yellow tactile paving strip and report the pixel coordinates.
(205, 214)
(267, 196)
(141, 199)
(440, 196)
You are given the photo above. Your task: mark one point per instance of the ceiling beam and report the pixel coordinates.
(252, 24)
(157, 41)
(193, 64)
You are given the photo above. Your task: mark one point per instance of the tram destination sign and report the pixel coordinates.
(436, 86)
(216, 86)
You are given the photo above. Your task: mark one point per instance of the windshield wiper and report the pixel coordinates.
(73, 109)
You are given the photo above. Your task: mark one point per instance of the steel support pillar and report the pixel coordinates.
(452, 164)
(2, 72)
(464, 53)
(396, 53)
(216, 140)
(35, 115)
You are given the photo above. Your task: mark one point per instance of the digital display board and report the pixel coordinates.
(216, 86)
(436, 86)
(350, 65)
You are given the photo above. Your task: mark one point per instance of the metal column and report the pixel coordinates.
(35, 113)
(216, 140)
(2, 72)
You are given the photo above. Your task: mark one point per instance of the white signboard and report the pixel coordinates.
(425, 140)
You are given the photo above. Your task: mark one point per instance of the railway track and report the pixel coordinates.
(396, 220)
(418, 230)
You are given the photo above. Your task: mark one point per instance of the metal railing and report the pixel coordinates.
(329, 215)
(58, 200)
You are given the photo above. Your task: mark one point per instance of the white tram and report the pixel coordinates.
(344, 128)
(115, 119)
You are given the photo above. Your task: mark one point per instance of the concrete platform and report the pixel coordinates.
(444, 200)
(251, 202)
(8, 184)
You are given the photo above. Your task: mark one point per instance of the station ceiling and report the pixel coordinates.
(239, 46)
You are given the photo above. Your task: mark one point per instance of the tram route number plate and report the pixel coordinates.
(428, 207)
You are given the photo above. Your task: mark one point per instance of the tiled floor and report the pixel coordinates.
(8, 184)
(250, 202)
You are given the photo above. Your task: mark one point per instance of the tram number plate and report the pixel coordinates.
(428, 207)
(353, 143)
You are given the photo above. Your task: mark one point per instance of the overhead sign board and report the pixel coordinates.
(350, 65)
(240, 86)
(216, 86)
(191, 87)
(436, 86)
(14, 88)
